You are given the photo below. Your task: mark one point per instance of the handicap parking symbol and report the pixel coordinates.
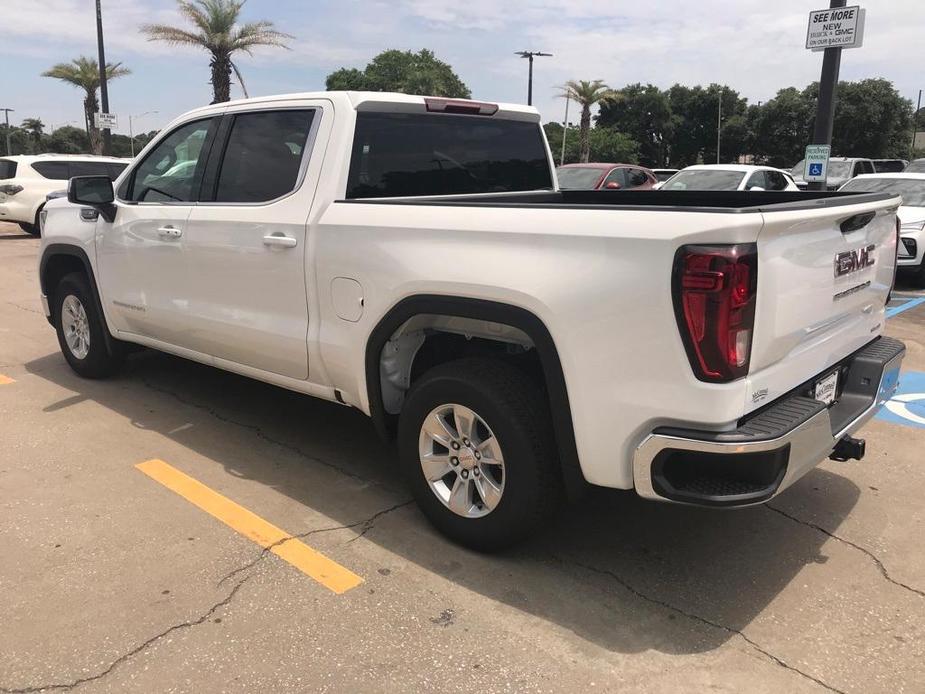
(815, 169)
(907, 406)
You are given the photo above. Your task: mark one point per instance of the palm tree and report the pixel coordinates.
(217, 31)
(84, 72)
(33, 126)
(586, 94)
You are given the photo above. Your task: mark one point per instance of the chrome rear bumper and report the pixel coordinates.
(771, 450)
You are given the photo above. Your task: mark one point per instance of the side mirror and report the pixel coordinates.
(613, 185)
(95, 192)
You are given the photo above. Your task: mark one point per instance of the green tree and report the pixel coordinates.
(605, 145)
(216, 29)
(402, 71)
(783, 127)
(871, 120)
(84, 73)
(643, 113)
(68, 140)
(586, 94)
(34, 126)
(694, 118)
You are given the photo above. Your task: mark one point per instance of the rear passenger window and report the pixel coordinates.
(263, 156)
(7, 169)
(617, 176)
(775, 180)
(636, 178)
(55, 170)
(757, 180)
(89, 168)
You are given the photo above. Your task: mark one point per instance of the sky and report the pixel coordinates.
(755, 46)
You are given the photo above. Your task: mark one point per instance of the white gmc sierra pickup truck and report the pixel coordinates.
(413, 258)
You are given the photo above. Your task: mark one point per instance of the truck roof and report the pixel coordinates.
(379, 101)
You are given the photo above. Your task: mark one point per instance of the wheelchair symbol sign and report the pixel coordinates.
(815, 169)
(907, 406)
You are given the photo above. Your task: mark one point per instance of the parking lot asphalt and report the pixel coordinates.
(159, 578)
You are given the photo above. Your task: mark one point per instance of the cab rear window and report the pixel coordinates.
(404, 154)
(7, 169)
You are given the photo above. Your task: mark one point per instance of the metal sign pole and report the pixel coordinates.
(104, 92)
(825, 107)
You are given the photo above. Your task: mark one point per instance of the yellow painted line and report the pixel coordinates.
(327, 572)
(6, 380)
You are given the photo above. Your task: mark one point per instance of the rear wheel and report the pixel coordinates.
(477, 449)
(80, 327)
(29, 228)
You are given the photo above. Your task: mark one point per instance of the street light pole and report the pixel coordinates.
(9, 147)
(529, 55)
(825, 107)
(104, 92)
(564, 131)
(719, 126)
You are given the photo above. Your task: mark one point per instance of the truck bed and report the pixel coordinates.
(679, 200)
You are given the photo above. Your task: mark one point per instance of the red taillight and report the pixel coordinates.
(462, 106)
(714, 293)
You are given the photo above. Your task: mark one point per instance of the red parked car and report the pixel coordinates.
(605, 177)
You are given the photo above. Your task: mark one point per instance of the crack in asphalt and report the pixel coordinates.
(881, 567)
(135, 651)
(24, 308)
(367, 524)
(626, 585)
(258, 431)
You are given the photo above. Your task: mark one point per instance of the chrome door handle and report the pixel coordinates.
(279, 240)
(170, 232)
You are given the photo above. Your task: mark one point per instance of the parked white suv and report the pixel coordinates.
(410, 257)
(25, 180)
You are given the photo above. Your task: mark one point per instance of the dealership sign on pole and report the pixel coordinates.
(841, 27)
(105, 120)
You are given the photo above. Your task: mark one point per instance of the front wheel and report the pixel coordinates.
(477, 449)
(80, 327)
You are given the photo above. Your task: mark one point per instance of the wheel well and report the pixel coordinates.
(422, 332)
(56, 267)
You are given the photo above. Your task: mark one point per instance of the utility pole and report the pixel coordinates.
(9, 147)
(565, 130)
(104, 92)
(529, 55)
(719, 125)
(825, 107)
(915, 127)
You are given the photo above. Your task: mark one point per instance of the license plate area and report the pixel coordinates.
(825, 390)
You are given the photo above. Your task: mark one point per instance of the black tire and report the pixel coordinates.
(99, 361)
(918, 277)
(515, 408)
(30, 228)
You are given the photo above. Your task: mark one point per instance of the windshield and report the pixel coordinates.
(889, 165)
(840, 169)
(913, 192)
(401, 154)
(705, 179)
(578, 178)
(918, 166)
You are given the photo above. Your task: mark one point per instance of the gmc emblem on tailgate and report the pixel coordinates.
(853, 261)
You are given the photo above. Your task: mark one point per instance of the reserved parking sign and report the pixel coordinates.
(817, 163)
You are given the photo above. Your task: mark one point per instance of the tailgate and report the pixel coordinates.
(824, 275)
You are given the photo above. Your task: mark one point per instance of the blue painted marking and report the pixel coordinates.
(907, 406)
(911, 303)
(815, 169)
